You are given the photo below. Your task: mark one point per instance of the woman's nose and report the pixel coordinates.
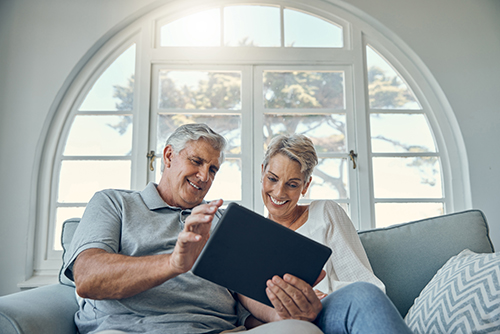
(280, 189)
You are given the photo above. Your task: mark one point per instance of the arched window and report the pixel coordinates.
(388, 150)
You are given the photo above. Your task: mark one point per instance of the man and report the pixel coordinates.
(132, 252)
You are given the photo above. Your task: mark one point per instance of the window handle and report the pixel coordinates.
(151, 156)
(353, 156)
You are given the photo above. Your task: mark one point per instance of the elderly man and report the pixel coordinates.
(132, 252)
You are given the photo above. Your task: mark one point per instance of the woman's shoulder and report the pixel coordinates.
(330, 210)
(325, 205)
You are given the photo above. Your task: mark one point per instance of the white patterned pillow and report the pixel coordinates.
(463, 297)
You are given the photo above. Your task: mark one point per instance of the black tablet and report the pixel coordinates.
(246, 249)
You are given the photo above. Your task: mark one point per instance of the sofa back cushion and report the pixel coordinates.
(68, 230)
(406, 257)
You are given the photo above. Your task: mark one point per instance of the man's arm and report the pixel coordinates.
(102, 275)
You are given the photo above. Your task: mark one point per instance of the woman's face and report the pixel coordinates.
(282, 185)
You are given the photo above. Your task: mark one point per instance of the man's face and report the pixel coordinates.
(188, 174)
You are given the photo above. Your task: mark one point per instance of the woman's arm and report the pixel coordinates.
(291, 297)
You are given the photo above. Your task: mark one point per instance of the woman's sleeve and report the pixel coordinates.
(348, 262)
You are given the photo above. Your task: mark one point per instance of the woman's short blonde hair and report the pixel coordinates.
(296, 147)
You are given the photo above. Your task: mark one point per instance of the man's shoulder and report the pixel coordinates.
(120, 192)
(116, 194)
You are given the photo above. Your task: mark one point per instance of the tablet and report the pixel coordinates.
(246, 249)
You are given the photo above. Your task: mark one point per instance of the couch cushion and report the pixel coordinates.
(463, 297)
(406, 257)
(68, 230)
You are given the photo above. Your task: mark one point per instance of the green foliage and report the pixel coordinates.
(387, 92)
(282, 90)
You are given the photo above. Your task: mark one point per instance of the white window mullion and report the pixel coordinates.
(247, 134)
(351, 141)
(142, 92)
(258, 138)
(153, 124)
(365, 219)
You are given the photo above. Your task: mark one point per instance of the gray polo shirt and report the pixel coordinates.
(137, 224)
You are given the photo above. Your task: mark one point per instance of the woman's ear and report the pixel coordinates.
(304, 191)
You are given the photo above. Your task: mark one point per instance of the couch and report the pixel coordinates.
(405, 257)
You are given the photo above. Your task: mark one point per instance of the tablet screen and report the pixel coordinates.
(246, 249)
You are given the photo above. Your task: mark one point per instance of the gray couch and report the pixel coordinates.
(405, 257)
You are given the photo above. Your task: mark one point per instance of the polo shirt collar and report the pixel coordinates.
(153, 200)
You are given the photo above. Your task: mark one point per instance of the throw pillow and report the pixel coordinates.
(463, 297)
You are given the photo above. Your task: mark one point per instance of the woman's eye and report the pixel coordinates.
(272, 179)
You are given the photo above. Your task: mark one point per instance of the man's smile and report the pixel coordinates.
(194, 185)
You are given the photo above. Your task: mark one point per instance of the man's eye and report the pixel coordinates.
(196, 162)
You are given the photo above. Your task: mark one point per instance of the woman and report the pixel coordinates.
(286, 175)
(351, 298)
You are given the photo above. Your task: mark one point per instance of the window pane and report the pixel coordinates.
(386, 87)
(200, 29)
(227, 184)
(303, 89)
(304, 30)
(330, 180)
(252, 26)
(401, 133)
(228, 126)
(199, 90)
(100, 135)
(62, 214)
(396, 213)
(79, 179)
(328, 132)
(114, 90)
(416, 177)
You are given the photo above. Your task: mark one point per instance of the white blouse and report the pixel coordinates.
(329, 224)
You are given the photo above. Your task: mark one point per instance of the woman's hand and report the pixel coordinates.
(293, 298)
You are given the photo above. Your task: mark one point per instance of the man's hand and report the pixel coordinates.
(102, 275)
(194, 236)
(293, 298)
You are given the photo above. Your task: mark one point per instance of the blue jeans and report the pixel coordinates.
(360, 308)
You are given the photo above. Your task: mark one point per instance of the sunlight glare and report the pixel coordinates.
(200, 29)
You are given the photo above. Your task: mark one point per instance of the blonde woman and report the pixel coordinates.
(350, 299)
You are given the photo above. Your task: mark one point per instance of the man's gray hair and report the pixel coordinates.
(194, 132)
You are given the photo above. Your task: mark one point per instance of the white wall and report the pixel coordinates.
(41, 42)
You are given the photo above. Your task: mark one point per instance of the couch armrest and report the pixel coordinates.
(45, 310)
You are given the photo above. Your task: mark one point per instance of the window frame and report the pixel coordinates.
(359, 30)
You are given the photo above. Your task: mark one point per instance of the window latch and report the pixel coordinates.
(151, 156)
(353, 156)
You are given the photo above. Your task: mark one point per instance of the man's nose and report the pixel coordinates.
(204, 174)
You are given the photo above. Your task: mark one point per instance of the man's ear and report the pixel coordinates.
(168, 152)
